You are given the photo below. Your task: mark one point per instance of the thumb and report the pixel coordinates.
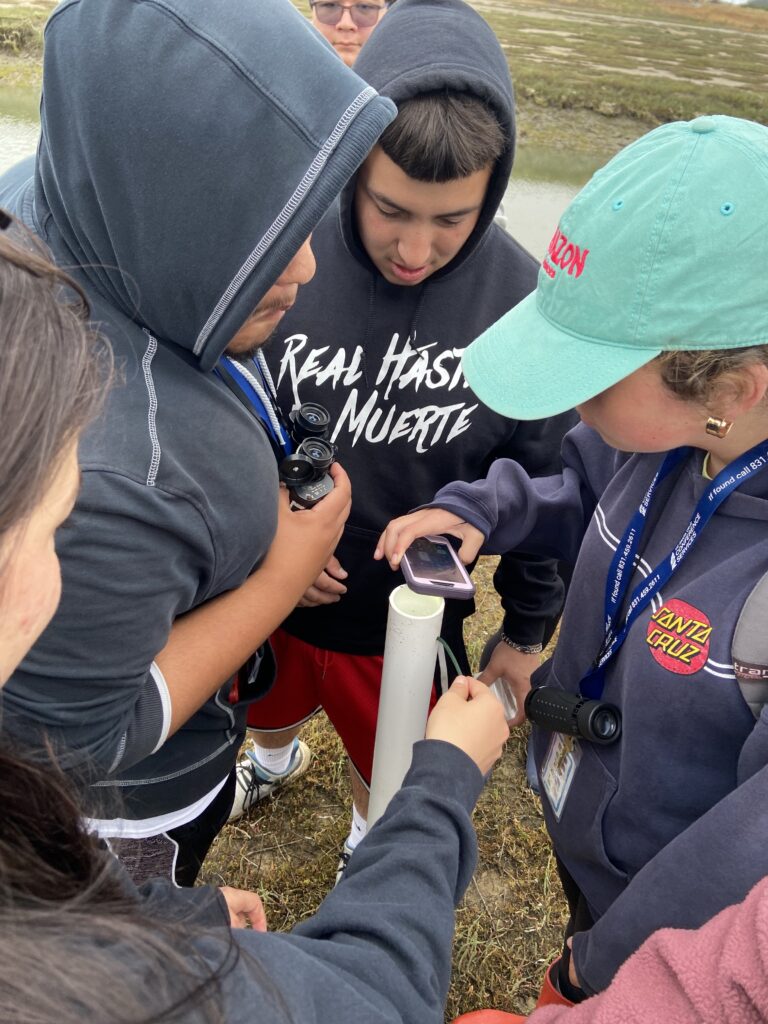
(460, 687)
(477, 688)
(470, 547)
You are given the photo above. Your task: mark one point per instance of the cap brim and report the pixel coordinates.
(527, 368)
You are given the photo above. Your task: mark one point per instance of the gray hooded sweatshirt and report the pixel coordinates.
(188, 149)
(378, 950)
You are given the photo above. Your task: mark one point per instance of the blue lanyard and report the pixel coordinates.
(281, 441)
(622, 564)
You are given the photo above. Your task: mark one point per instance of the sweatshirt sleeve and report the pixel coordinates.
(531, 594)
(379, 947)
(713, 975)
(546, 515)
(133, 557)
(710, 865)
(528, 585)
(202, 906)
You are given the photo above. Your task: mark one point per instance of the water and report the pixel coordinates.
(18, 138)
(543, 184)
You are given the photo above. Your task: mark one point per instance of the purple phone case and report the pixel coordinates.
(421, 585)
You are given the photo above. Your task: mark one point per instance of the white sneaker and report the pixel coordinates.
(255, 782)
(341, 867)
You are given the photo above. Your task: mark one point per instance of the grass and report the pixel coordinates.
(652, 60)
(21, 43)
(590, 75)
(21, 28)
(510, 923)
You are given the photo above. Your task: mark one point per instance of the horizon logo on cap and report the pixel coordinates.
(564, 254)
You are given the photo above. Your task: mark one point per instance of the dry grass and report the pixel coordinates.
(510, 923)
(653, 60)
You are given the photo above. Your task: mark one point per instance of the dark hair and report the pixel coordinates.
(52, 372)
(443, 135)
(75, 944)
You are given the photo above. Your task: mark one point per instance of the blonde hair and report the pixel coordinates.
(700, 376)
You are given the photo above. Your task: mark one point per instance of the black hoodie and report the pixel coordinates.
(385, 359)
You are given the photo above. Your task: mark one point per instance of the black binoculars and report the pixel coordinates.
(574, 715)
(305, 473)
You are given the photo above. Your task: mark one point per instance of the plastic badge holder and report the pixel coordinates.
(499, 689)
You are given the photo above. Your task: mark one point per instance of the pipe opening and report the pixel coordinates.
(415, 606)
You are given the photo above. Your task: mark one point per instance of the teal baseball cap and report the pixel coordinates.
(663, 249)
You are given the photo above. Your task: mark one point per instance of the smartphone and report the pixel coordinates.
(431, 566)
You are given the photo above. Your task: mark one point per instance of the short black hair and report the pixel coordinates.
(443, 135)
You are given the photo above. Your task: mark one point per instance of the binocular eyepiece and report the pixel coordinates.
(309, 420)
(305, 473)
(574, 715)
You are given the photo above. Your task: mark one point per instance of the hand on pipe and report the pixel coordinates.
(402, 532)
(472, 719)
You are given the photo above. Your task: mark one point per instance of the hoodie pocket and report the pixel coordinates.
(579, 836)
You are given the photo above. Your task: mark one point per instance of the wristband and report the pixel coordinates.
(522, 648)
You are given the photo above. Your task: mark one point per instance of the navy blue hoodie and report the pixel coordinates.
(385, 359)
(183, 161)
(663, 828)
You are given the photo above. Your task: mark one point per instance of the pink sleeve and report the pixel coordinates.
(713, 975)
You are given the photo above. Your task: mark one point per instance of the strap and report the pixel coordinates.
(749, 648)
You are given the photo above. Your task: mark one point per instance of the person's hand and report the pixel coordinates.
(400, 533)
(327, 588)
(306, 539)
(514, 669)
(572, 975)
(245, 908)
(472, 719)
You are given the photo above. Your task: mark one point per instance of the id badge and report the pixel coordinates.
(559, 767)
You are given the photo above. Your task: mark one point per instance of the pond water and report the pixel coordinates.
(542, 186)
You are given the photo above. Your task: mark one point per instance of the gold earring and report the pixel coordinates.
(718, 428)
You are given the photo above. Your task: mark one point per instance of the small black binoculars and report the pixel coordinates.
(574, 715)
(305, 473)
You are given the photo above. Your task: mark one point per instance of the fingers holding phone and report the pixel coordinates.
(472, 719)
(431, 566)
(400, 534)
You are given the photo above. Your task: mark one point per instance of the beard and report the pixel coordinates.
(252, 350)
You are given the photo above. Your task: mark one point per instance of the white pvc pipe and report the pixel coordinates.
(410, 651)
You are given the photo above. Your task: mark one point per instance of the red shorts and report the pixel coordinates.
(345, 686)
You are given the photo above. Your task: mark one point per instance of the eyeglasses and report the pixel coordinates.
(364, 15)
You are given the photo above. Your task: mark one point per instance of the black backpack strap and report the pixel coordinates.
(750, 648)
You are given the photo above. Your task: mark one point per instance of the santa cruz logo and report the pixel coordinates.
(564, 254)
(678, 635)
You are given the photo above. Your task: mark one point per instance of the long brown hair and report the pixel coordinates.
(75, 943)
(52, 371)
